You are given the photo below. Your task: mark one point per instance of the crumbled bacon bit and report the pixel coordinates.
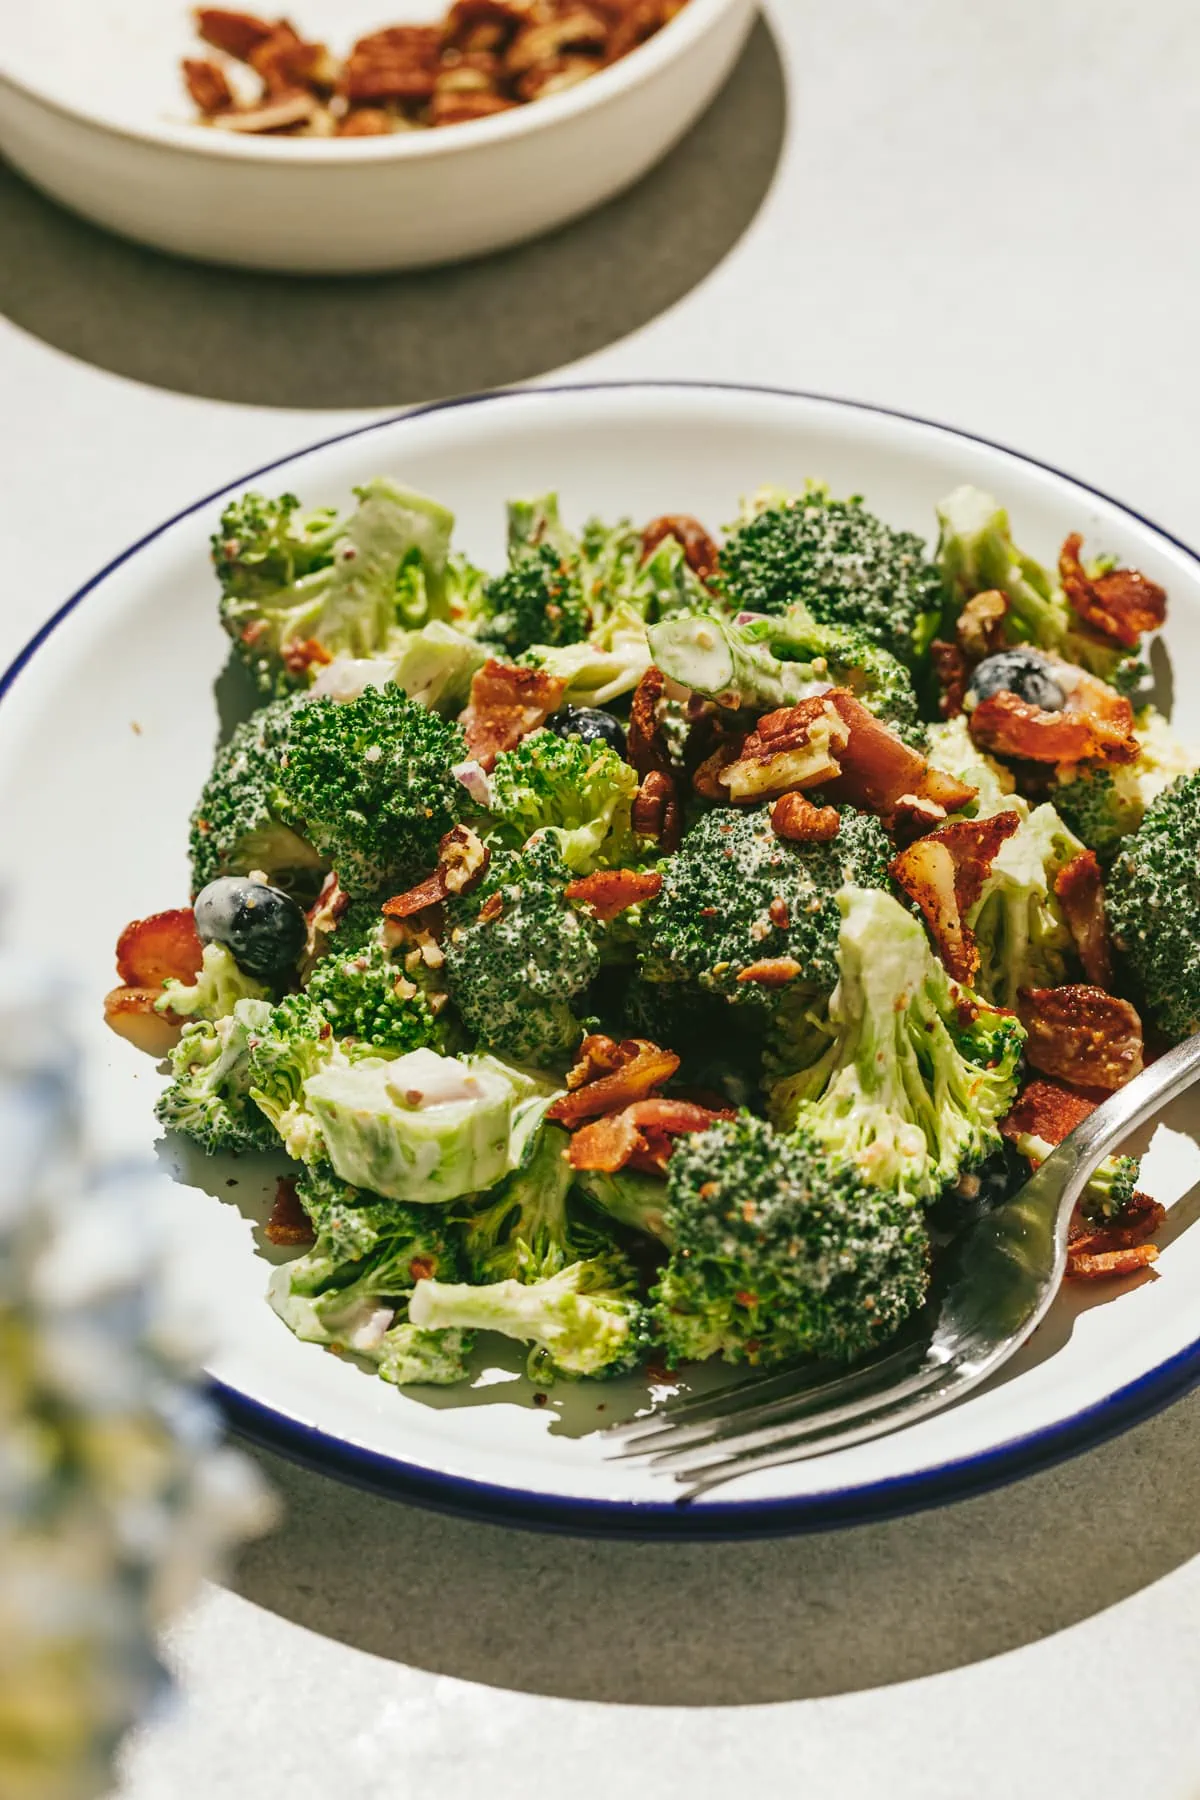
(207, 84)
(606, 1144)
(1110, 1264)
(462, 863)
(1120, 605)
(422, 1268)
(1139, 1221)
(610, 892)
(944, 874)
(796, 820)
(164, 947)
(288, 1223)
(598, 1055)
(303, 654)
(639, 1136)
(878, 768)
(778, 912)
(700, 553)
(492, 909)
(1080, 888)
(771, 971)
(1048, 1110)
(507, 703)
(1081, 1035)
(656, 811)
(644, 1067)
(1010, 726)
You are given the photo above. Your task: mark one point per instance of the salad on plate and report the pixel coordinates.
(657, 949)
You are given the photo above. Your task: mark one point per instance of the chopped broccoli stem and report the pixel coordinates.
(216, 990)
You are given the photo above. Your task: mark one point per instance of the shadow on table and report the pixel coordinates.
(380, 340)
(734, 1624)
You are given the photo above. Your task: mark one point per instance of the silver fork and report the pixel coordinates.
(999, 1279)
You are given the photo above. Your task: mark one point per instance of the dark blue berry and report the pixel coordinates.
(1020, 672)
(262, 927)
(591, 725)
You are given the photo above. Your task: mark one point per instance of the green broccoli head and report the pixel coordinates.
(296, 592)
(735, 894)
(209, 1098)
(372, 780)
(1018, 923)
(582, 793)
(586, 1319)
(367, 990)
(913, 1073)
(216, 990)
(1104, 805)
(237, 824)
(1153, 903)
(976, 553)
(841, 562)
(780, 1249)
(1109, 1191)
(538, 600)
(520, 957)
(762, 661)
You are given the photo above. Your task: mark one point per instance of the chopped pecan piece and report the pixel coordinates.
(460, 108)
(1081, 1035)
(912, 817)
(543, 40)
(944, 874)
(795, 819)
(163, 947)
(1080, 888)
(462, 862)
(365, 121)
(273, 115)
(284, 62)
(1110, 1263)
(700, 553)
(639, 1074)
(646, 742)
(796, 747)
(771, 971)
(1120, 605)
(207, 84)
(288, 1223)
(1012, 727)
(506, 704)
(639, 22)
(610, 892)
(979, 630)
(484, 24)
(953, 673)
(400, 63)
(657, 812)
(237, 33)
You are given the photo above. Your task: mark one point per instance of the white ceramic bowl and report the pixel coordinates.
(106, 730)
(92, 109)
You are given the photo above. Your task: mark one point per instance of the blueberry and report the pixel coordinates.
(261, 926)
(1020, 672)
(590, 724)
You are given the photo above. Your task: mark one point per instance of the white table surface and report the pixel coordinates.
(984, 214)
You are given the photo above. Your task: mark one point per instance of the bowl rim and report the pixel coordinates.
(639, 67)
(953, 1479)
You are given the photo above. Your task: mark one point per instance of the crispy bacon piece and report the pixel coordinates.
(1048, 1110)
(598, 1055)
(506, 704)
(1120, 605)
(163, 947)
(207, 84)
(1109, 1264)
(771, 971)
(646, 741)
(796, 820)
(699, 551)
(639, 1136)
(1139, 1221)
(237, 33)
(612, 891)
(303, 654)
(462, 862)
(129, 1011)
(1012, 727)
(644, 1066)
(878, 769)
(1081, 1035)
(944, 874)
(288, 1223)
(657, 812)
(795, 747)
(1080, 887)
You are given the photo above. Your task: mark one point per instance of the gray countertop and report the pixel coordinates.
(978, 214)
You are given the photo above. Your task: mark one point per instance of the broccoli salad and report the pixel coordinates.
(659, 948)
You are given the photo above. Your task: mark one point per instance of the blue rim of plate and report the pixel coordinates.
(956, 1480)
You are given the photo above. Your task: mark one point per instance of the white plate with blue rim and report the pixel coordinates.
(107, 725)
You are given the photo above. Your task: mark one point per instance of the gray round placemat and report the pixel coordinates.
(396, 339)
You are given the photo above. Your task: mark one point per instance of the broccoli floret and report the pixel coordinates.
(372, 781)
(845, 565)
(523, 1226)
(296, 592)
(538, 600)
(618, 576)
(237, 825)
(516, 974)
(581, 793)
(917, 1072)
(216, 990)
(585, 1319)
(1110, 1190)
(410, 1358)
(367, 991)
(763, 662)
(609, 662)
(726, 894)
(284, 1051)
(1102, 805)
(629, 1197)
(1018, 922)
(780, 1250)
(976, 552)
(209, 1097)
(1153, 903)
